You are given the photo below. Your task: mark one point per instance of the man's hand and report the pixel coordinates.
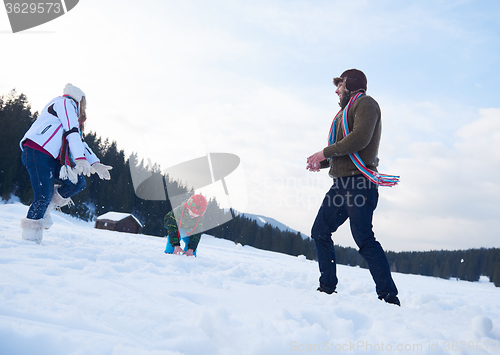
(178, 250)
(314, 161)
(189, 252)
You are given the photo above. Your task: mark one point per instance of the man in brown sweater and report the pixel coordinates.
(352, 195)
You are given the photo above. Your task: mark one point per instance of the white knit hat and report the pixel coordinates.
(74, 92)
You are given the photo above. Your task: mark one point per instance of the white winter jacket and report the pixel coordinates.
(59, 116)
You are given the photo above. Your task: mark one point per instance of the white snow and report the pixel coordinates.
(89, 291)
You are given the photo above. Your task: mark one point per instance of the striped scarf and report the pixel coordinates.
(65, 155)
(373, 176)
(66, 160)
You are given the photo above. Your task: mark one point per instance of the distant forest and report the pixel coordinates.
(118, 195)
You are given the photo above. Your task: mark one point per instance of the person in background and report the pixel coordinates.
(352, 159)
(53, 151)
(189, 227)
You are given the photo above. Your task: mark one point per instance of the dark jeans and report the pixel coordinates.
(356, 198)
(44, 171)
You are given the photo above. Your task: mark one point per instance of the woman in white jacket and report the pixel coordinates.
(53, 151)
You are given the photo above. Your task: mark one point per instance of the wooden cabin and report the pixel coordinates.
(119, 222)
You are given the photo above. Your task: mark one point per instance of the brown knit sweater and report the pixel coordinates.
(365, 128)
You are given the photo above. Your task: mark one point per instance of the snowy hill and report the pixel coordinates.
(89, 291)
(262, 220)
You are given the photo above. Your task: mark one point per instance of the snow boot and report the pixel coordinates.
(57, 202)
(390, 298)
(32, 229)
(325, 290)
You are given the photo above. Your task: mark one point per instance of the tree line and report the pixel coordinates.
(468, 265)
(118, 195)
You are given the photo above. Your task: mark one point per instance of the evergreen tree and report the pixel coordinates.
(15, 120)
(277, 241)
(496, 275)
(446, 270)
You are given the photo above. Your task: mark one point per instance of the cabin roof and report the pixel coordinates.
(118, 216)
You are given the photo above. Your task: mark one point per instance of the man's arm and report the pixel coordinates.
(366, 115)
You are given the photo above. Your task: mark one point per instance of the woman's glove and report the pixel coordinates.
(83, 167)
(102, 170)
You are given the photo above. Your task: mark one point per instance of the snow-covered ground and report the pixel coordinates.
(88, 291)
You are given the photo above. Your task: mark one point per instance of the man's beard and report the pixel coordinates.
(344, 100)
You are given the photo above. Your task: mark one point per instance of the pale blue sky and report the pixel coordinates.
(255, 79)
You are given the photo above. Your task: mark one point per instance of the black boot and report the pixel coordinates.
(390, 298)
(322, 289)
